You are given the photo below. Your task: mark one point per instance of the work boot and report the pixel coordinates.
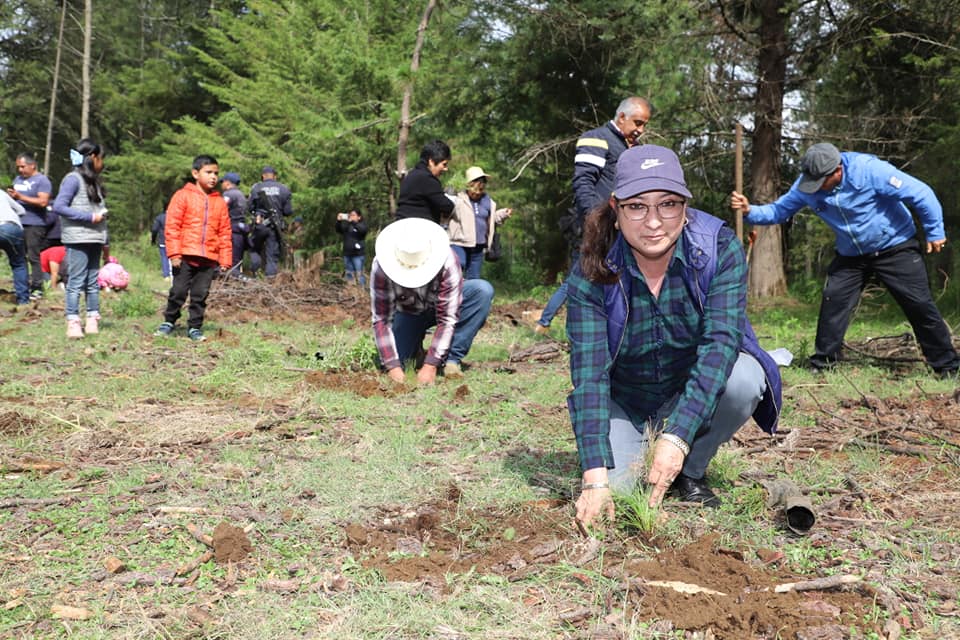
(452, 370)
(92, 325)
(541, 329)
(74, 330)
(165, 329)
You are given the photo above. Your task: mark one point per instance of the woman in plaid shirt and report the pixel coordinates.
(660, 341)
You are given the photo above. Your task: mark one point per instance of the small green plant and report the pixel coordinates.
(634, 513)
(363, 353)
(132, 304)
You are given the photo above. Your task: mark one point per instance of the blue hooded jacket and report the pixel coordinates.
(867, 210)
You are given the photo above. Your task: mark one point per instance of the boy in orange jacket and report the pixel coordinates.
(198, 238)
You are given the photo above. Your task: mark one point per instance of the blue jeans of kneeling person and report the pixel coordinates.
(737, 403)
(11, 243)
(410, 329)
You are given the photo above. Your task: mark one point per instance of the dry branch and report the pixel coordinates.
(26, 465)
(198, 535)
(820, 584)
(32, 502)
(190, 567)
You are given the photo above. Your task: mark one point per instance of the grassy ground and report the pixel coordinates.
(440, 512)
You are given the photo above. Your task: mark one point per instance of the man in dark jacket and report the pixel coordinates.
(421, 194)
(237, 206)
(269, 203)
(594, 173)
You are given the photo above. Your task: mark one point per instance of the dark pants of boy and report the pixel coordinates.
(902, 272)
(193, 280)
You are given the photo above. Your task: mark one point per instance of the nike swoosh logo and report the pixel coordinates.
(650, 163)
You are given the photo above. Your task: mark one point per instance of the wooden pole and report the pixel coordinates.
(53, 91)
(738, 174)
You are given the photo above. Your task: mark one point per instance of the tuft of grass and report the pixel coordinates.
(634, 513)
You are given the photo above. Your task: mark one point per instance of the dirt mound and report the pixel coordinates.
(699, 587)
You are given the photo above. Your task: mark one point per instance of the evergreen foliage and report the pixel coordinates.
(314, 88)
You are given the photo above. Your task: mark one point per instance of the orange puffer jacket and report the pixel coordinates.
(198, 224)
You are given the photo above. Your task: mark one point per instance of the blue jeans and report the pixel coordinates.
(83, 265)
(737, 403)
(470, 259)
(353, 265)
(11, 242)
(164, 261)
(409, 329)
(559, 297)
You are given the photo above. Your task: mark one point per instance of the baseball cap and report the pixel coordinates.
(268, 169)
(817, 164)
(649, 167)
(232, 177)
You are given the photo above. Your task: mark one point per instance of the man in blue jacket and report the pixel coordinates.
(865, 201)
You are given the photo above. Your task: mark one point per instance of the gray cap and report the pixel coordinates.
(649, 168)
(818, 163)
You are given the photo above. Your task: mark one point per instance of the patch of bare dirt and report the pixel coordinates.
(14, 423)
(303, 296)
(696, 588)
(230, 543)
(363, 383)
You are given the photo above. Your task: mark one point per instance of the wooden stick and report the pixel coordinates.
(166, 509)
(191, 566)
(32, 502)
(198, 535)
(820, 584)
(738, 174)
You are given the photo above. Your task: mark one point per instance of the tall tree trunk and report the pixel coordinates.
(767, 273)
(53, 89)
(408, 94)
(87, 42)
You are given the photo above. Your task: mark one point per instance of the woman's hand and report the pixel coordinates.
(594, 501)
(667, 463)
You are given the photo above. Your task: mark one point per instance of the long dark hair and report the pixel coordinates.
(599, 234)
(87, 148)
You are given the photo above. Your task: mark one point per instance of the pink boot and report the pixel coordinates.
(73, 329)
(92, 326)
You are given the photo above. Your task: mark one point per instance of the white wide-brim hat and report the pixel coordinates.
(412, 251)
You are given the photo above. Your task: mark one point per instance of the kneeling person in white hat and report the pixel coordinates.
(416, 283)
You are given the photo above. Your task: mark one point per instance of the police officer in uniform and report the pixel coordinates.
(269, 203)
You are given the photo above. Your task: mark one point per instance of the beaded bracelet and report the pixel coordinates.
(594, 485)
(676, 441)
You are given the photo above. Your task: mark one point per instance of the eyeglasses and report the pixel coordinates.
(667, 210)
